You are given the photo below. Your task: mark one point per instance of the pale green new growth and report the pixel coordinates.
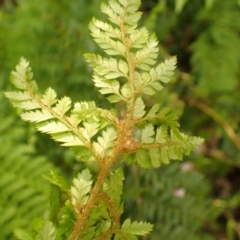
(91, 208)
(81, 187)
(22, 235)
(47, 232)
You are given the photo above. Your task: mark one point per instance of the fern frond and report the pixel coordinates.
(23, 192)
(21, 78)
(166, 148)
(123, 12)
(157, 147)
(138, 53)
(91, 208)
(72, 128)
(136, 228)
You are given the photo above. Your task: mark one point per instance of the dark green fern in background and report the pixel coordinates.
(24, 194)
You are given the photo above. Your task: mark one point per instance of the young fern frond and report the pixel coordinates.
(146, 137)
(71, 127)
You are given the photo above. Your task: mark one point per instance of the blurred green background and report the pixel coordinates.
(198, 198)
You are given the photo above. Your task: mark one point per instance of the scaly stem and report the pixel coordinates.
(105, 166)
(84, 214)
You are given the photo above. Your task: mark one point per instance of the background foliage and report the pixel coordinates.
(196, 199)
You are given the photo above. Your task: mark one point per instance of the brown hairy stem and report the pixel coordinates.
(105, 165)
(83, 215)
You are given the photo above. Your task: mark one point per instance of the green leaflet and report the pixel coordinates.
(107, 86)
(53, 127)
(153, 111)
(57, 180)
(138, 110)
(47, 232)
(109, 68)
(18, 96)
(37, 116)
(84, 108)
(56, 200)
(126, 91)
(68, 139)
(142, 158)
(114, 98)
(166, 69)
(155, 156)
(138, 38)
(21, 234)
(146, 57)
(159, 116)
(50, 97)
(26, 105)
(113, 186)
(66, 221)
(162, 134)
(81, 188)
(23, 75)
(147, 134)
(105, 142)
(136, 228)
(125, 11)
(111, 47)
(62, 106)
(109, 30)
(148, 82)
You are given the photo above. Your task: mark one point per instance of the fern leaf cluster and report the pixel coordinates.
(91, 207)
(24, 194)
(221, 38)
(175, 186)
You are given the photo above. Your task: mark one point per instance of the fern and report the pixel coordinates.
(92, 206)
(24, 194)
(224, 24)
(172, 211)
